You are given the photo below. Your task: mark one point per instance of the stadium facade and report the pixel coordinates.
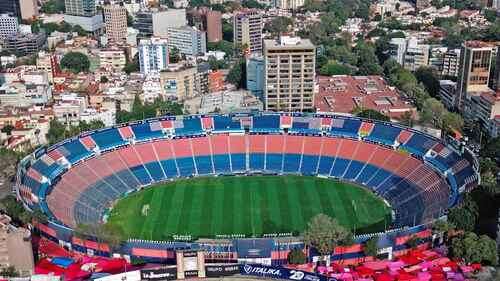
(77, 180)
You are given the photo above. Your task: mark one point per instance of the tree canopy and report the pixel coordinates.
(279, 25)
(53, 7)
(371, 114)
(141, 111)
(75, 62)
(334, 68)
(59, 131)
(296, 256)
(474, 249)
(237, 74)
(324, 234)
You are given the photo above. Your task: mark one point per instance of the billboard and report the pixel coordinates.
(281, 273)
(219, 270)
(164, 273)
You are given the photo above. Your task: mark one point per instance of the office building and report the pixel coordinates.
(188, 40)
(84, 8)
(474, 71)
(255, 76)
(153, 55)
(209, 21)
(201, 78)
(247, 30)
(289, 74)
(485, 108)
(115, 19)
(397, 49)
(447, 89)
(29, 9)
(451, 63)
(84, 14)
(156, 22)
(171, 18)
(178, 83)
(289, 4)
(112, 58)
(25, 44)
(416, 55)
(10, 7)
(8, 25)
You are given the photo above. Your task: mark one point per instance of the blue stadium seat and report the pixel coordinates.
(266, 123)
(50, 171)
(366, 174)
(238, 162)
(339, 167)
(387, 183)
(204, 165)
(186, 166)
(222, 163)
(108, 139)
(155, 170)
(349, 128)
(225, 124)
(141, 174)
(143, 131)
(192, 126)
(74, 151)
(291, 163)
(274, 162)
(128, 178)
(170, 168)
(382, 133)
(419, 144)
(325, 165)
(378, 178)
(257, 161)
(353, 169)
(32, 184)
(309, 164)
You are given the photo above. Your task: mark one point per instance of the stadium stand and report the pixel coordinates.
(418, 175)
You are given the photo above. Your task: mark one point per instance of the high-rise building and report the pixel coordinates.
(189, 40)
(156, 22)
(8, 25)
(496, 77)
(416, 55)
(451, 63)
(289, 74)
(247, 29)
(115, 19)
(214, 26)
(29, 9)
(84, 8)
(289, 4)
(25, 44)
(447, 89)
(397, 49)
(474, 72)
(255, 76)
(84, 14)
(153, 55)
(207, 20)
(10, 7)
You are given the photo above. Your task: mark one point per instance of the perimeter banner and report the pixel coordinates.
(281, 273)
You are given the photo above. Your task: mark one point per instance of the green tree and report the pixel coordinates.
(227, 31)
(324, 234)
(296, 256)
(75, 62)
(223, 45)
(104, 79)
(371, 114)
(428, 77)
(474, 249)
(57, 131)
(279, 25)
(370, 247)
(132, 66)
(367, 60)
(462, 218)
(252, 4)
(7, 129)
(334, 68)
(174, 55)
(15, 209)
(9, 271)
(53, 7)
(236, 75)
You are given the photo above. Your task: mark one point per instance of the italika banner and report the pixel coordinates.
(281, 273)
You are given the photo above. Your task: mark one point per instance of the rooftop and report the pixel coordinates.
(344, 93)
(288, 43)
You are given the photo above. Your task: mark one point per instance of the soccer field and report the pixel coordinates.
(250, 205)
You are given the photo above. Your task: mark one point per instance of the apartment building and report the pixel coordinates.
(153, 55)
(178, 83)
(115, 21)
(8, 26)
(189, 40)
(112, 58)
(289, 74)
(247, 29)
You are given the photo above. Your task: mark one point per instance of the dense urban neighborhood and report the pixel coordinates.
(287, 139)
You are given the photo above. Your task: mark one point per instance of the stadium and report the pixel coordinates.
(179, 182)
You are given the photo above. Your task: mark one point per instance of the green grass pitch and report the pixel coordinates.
(249, 205)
